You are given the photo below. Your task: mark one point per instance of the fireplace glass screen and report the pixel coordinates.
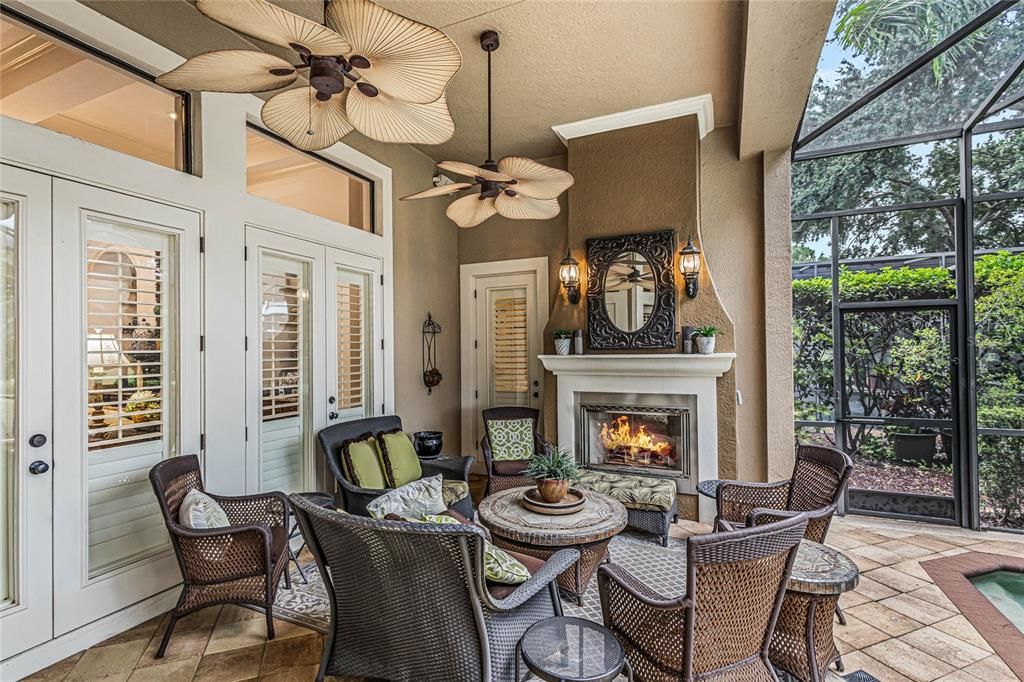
(646, 438)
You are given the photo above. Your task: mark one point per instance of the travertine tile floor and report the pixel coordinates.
(899, 625)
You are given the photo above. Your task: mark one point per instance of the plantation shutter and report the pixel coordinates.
(284, 378)
(353, 339)
(130, 293)
(510, 347)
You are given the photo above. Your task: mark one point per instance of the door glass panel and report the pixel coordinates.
(8, 399)
(354, 339)
(898, 410)
(510, 362)
(131, 376)
(285, 371)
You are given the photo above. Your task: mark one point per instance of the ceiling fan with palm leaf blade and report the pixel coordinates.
(370, 70)
(515, 187)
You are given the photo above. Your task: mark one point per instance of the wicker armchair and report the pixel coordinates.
(410, 602)
(721, 628)
(503, 475)
(819, 476)
(239, 564)
(354, 499)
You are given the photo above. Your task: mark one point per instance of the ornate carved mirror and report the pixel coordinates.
(631, 291)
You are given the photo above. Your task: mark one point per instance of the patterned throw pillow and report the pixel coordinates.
(499, 565)
(401, 464)
(199, 510)
(510, 439)
(412, 500)
(361, 463)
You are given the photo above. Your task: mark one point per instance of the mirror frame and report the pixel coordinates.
(659, 248)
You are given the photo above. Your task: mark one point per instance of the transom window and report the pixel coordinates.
(52, 84)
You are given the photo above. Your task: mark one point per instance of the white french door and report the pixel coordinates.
(126, 383)
(314, 323)
(504, 310)
(26, 439)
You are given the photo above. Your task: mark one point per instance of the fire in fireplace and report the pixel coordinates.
(649, 438)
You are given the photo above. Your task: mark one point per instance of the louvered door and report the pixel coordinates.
(507, 343)
(126, 379)
(285, 308)
(314, 322)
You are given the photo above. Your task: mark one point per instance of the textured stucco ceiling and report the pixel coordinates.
(559, 61)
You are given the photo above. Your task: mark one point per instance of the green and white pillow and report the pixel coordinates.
(499, 565)
(412, 500)
(199, 511)
(511, 439)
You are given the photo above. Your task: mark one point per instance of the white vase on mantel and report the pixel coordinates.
(706, 345)
(562, 346)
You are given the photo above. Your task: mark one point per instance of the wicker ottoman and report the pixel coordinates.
(650, 502)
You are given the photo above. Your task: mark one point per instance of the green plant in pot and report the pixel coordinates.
(563, 340)
(706, 339)
(553, 470)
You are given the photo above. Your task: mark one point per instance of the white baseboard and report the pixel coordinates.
(46, 654)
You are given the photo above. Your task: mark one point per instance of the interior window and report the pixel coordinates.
(62, 88)
(286, 176)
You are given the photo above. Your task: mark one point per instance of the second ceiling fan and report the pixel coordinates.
(515, 187)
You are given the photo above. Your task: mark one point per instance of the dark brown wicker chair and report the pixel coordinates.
(503, 475)
(409, 601)
(721, 628)
(819, 477)
(354, 499)
(239, 564)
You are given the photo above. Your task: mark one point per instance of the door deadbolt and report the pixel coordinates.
(37, 440)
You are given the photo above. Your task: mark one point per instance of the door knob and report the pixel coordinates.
(38, 467)
(536, 394)
(37, 440)
(332, 415)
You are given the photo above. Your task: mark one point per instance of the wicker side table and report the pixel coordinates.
(802, 644)
(590, 530)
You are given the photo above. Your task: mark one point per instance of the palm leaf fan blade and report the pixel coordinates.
(438, 191)
(407, 60)
(470, 211)
(294, 113)
(230, 71)
(390, 120)
(534, 179)
(520, 207)
(260, 19)
(470, 171)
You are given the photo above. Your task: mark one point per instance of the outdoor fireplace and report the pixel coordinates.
(644, 438)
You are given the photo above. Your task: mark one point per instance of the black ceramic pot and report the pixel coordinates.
(428, 443)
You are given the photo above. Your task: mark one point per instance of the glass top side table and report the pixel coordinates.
(564, 649)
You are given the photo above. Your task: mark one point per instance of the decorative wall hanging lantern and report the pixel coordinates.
(369, 69)
(689, 265)
(431, 375)
(569, 273)
(515, 187)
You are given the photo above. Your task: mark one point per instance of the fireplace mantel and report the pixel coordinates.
(637, 364)
(654, 374)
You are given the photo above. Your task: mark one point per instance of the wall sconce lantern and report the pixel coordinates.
(431, 374)
(689, 265)
(569, 273)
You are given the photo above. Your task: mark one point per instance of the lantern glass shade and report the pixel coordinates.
(689, 259)
(569, 272)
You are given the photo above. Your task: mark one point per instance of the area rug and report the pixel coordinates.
(662, 568)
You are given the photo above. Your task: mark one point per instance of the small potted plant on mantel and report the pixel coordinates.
(553, 471)
(563, 340)
(706, 339)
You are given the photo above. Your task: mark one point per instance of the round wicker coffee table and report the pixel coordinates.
(589, 530)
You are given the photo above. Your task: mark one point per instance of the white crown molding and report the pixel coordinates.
(701, 106)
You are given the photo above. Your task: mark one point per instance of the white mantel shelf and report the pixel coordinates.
(638, 365)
